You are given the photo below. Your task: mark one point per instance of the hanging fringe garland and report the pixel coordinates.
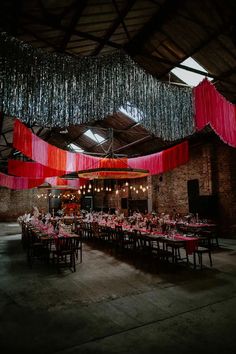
(51, 156)
(56, 91)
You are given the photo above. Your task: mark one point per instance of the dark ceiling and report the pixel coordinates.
(157, 34)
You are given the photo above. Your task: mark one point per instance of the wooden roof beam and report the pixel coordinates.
(59, 27)
(165, 11)
(114, 26)
(121, 19)
(38, 38)
(195, 50)
(69, 32)
(172, 64)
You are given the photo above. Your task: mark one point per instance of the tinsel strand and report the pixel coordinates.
(56, 91)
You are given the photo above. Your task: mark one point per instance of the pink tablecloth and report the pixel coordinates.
(191, 242)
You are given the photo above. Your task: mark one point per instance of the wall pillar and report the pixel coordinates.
(149, 193)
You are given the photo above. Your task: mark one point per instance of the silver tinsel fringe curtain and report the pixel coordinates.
(56, 91)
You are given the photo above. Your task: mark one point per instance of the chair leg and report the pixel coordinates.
(187, 258)
(210, 258)
(194, 259)
(73, 261)
(200, 259)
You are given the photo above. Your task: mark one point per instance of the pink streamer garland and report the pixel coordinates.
(20, 183)
(31, 169)
(213, 109)
(48, 155)
(59, 159)
(162, 161)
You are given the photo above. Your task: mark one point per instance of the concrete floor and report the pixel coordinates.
(110, 306)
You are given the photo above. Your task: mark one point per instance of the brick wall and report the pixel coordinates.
(16, 203)
(224, 170)
(214, 165)
(170, 189)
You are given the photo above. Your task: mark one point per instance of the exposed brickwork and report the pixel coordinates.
(214, 165)
(170, 190)
(225, 178)
(15, 203)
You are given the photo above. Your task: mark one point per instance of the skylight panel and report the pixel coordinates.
(190, 78)
(75, 148)
(132, 112)
(94, 136)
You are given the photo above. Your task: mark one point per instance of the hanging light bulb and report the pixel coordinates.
(144, 189)
(123, 190)
(107, 189)
(83, 192)
(131, 187)
(141, 187)
(79, 192)
(147, 187)
(88, 191)
(126, 183)
(90, 186)
(95, 189)
(137, 191)
(117, 191)
(110, 189)
(134, 188)
(101, 188)
(84, 186)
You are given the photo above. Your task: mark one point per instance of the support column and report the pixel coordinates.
(149, 193)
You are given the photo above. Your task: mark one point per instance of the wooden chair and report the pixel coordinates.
(77, 246)
(36, 250)
(64, 254)
(202, 250)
